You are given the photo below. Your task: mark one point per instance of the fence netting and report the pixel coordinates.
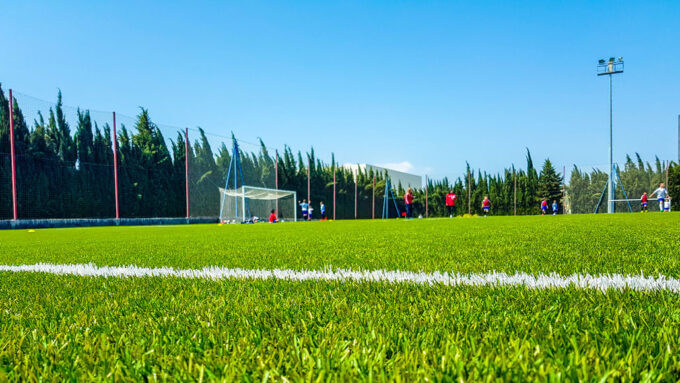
(63, 160)
(587, 186)
(65, 168)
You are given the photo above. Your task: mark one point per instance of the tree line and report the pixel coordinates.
(66, 171)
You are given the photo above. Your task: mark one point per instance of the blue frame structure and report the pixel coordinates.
(235, 165)
(386, 200)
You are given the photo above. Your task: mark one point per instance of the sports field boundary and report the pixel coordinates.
(86, 222)
(602, 282)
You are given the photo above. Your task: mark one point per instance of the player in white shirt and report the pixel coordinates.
(661, 194)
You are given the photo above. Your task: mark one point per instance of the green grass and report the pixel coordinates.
(68, 327)
(626, 243)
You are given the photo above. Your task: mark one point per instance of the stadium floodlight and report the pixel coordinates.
(610, 68)
(250, 203)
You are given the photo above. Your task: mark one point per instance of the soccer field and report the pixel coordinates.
(235, 305)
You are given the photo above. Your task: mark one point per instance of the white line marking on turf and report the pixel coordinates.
(493, 279)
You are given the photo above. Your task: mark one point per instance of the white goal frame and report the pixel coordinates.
(246, 193)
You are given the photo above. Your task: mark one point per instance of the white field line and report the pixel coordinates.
(493, 279)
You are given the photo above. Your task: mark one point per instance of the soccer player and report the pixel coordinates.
(272, 217)
(451, 199)
(309, 213)
(544, 206)
(486, 205)
(667, 204)
(304, 206)
(408, 199)
(323, 211)
(555, 207)
(661, 194)
(643, 203)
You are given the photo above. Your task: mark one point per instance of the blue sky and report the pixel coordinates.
(425, 84)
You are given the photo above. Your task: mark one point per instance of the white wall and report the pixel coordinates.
(405, 179)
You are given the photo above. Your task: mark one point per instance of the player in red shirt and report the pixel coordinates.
(544, 206)
(451, 203)
(643, 202)
(272, 217)
(408, 199)
(486, 205)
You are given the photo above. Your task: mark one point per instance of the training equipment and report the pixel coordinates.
(247, 202)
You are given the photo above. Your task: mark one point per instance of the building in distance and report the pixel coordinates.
(397, 178)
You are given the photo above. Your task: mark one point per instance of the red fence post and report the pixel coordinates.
(469, 195)
(564, 188)
(426, 206)
(115, 164)
(14, 166)
(276, 180)
(515, 191)
(355, 197)
(186, 167)
(373, 198)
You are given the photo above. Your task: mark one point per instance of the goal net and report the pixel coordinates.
(250, 203)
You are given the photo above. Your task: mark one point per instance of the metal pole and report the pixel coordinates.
(115, 164)
(373, 199)
(276, 180)
(610, 184)
(678, 138)
(186, 168)
(14, 166)
(668, 164)
(564, 189)
(309, 182)
(235, 153)
(426, 207)
(355, 197)
(469, 194)
(514, 173)
(333, 192)
(243, 200)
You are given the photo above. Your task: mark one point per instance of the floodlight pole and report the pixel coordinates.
(610, 185)
(610, 68)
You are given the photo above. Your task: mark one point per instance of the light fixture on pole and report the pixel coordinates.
(608, 68)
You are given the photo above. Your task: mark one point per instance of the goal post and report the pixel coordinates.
(248, 202)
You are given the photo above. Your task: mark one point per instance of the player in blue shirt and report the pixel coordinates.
(555, 207)
(304, 206)
(323, 211)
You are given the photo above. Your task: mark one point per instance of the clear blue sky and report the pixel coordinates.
(430, 83)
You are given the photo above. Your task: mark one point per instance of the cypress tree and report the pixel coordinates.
(549, 183)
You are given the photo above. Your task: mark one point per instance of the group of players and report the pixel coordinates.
(451, 198)
(661, 194)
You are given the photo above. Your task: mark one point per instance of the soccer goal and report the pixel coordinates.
(250, 203)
